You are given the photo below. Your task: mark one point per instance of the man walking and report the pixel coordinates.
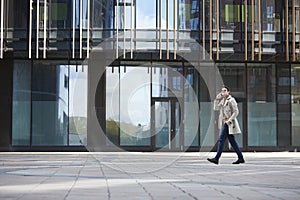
(227, 123)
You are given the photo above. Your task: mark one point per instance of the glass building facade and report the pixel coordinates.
(141, 75)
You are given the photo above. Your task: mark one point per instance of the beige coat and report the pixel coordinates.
(228, 109)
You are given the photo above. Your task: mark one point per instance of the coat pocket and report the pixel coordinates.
(234, 127)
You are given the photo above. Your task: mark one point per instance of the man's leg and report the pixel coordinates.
(221, 142)
(236, 148)
(222, 139)
(234, 145)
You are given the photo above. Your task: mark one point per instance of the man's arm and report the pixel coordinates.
(217, 104)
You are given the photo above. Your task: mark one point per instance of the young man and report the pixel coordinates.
(227, 123)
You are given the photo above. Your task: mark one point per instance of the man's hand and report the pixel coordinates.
(219, 96)
(228, 122)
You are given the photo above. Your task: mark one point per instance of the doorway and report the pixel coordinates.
(166, 131)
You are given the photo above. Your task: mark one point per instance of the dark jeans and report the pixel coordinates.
(223, 135)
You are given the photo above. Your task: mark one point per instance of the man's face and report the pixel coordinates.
(224, 92)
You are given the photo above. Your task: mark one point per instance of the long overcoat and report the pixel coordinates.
(228, 109)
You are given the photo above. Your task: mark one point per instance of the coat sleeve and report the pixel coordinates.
(234, 110)
(217, 105)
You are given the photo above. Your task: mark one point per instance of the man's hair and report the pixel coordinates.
(227, 88)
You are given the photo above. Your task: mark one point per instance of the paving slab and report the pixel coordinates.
(151, 175)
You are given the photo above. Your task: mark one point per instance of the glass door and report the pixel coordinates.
(166, 124)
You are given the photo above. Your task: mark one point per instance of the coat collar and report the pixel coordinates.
(226, 101)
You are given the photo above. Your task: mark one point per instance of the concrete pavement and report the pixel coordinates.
(155, 175)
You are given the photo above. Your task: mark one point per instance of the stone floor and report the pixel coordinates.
(39, 175)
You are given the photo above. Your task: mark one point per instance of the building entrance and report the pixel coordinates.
(148, 106)
(166, 131)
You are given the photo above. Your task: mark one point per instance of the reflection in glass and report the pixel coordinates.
(167, 121)
(297, 18)
(207, 136)
(84, 18)
(103, 14)
(191, 118)
(261, 106)
(135, 103)
(229, 20)
(145, 23)
(17, 25)
(167, 82)
(21, 103)
(295, 93)
(233, 76)
(125, 16)
(59, 23)
(188, 15)
(162, 124)
(78, 104)
(59, 14)
(102, 19)
(112, 104)
(49, 104)
(239, 137)
(18, 20)
(177, 124)
(42, 102)
(270, 25)
(160, 82)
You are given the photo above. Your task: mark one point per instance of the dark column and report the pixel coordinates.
(6, 77)
(280, 30)
(283, 105)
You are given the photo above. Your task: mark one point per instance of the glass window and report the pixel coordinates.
(103, 15)
(162, 124)
(194, 21)
(59, 23)
(113, 104)
(145, 14)
(268, 15)
(191, 118)
(167, 81)
(230, 14)
(45, 98)
(49, 104)
(128, 88)
(58, 14)
(99, 16)
(135, 103)
(297, 16)
(269, 25)
(262, 129)
(17, 24)
(21, 103)
(188, 16)
(295, 94)
(207, 133)
(144, 19)
(234, 76)
(125, 16)
(18, 20)
(81, 6)
(78, 104)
